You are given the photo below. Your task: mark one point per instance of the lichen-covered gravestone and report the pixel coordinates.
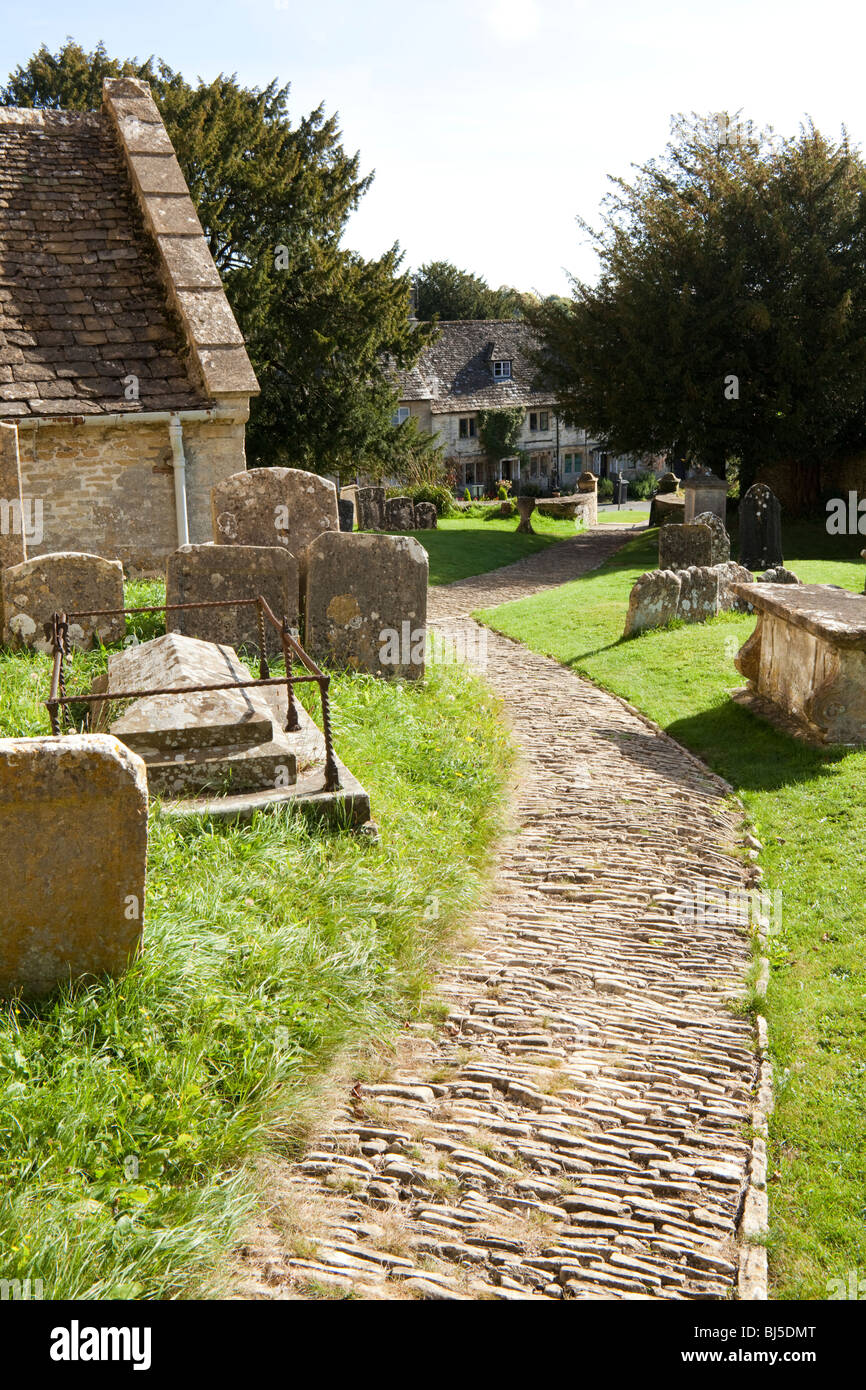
(760, 529)
(273, 506)
(399, 514)
(73, 826)
(370, 507)
(366, 604)
(62, 582)
(731, 573)
(201, 573)
(699, 594)
(720, 544)
(653, 601)
(683, 546)
(425, 516)
(13, 547)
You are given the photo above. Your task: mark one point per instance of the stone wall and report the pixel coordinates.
(109, 489)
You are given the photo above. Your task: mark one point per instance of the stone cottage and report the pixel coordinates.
(120, 360)
(484, 364)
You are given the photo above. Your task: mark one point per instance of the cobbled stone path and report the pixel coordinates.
(578, 1125)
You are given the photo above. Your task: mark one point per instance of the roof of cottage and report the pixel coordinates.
(104, 271)
(455, 371)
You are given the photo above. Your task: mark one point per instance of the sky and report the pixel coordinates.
(492, 125)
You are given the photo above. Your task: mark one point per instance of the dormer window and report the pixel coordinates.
(502, 369)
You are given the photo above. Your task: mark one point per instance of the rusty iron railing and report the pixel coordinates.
(58, 700)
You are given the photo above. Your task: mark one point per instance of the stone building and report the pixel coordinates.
(120, 360)
(482, 364)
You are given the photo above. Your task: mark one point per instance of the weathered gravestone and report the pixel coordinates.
(366, 603)
(273, 506)
(62, 582)
(370, 505)
(699, 594)
(426, 518)
(653, 601)
(682, 546)
(73, 826)
(704, 492)
(399, 514)
(346, 506)
(720, 545)
(525, 508)
(779, 575)
(201, 573)
(760, 529)
(731, 573)
(13, 546)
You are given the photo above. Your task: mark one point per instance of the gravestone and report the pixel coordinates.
(731, 573)
(699, 594)
(62, 582)
(760, 529)
(366, 603)
(704, 492)
(346, 506)
(13, 546)
(426, 518)
(525, 508)
(652, 602)
(683, 546)
(200, 573)
(370, 504)
(779, 575)
(73, 826)
(273, 506)
(720, 546)
(399, 514)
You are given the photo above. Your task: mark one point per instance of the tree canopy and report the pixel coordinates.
(324, 327)
(729, 318)
(442, 291)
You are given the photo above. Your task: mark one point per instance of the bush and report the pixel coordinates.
(503, 491)
(642, 487)
(530, 490)
(605, 489)
(506, 508)
(437, 493)
(467, 495)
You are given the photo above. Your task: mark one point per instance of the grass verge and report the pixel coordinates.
(461, 546)
(809, 807)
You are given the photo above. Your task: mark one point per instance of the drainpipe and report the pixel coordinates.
(178, 462)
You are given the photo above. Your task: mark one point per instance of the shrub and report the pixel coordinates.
(642, 487)
(605, 489)
(530, 490)
(503, 491)
(467, 495)
(436, 493)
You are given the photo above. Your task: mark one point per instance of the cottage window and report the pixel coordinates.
(544, 420)
(466, 428)
(533, 420)
(502, 369)
(400, 414)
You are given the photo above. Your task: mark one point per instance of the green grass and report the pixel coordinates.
(809, 807)
(622, 516)
(131, 1110)
(461, 546)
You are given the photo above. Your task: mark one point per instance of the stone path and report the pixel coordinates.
(577, 1127)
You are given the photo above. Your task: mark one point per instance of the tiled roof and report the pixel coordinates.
(81, 303)
(455, 372)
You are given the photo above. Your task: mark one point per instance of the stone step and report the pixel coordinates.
(223, 770)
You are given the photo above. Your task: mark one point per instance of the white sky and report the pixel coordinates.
(491, 124)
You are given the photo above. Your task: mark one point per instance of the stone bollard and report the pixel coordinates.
(525, 508)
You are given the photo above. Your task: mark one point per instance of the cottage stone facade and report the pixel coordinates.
(120, 360)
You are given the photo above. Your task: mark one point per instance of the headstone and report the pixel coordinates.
(370, 504)
(13, 546)
(732, 573)
(525, 508)
(399, 514)
(668, 482)
(426, 518)
(201, 573)
(779, 575)
(699, 594)
(704, 492)
(760, 529)
(73, 826)
(62, 582)
(366, 604)
(720, 548)
(652, 602)
(346, 507)
(682, 546)
(273, 506)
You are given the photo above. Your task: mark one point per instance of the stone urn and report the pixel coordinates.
(525, 507)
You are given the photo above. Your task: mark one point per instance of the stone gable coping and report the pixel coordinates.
(188, 270)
